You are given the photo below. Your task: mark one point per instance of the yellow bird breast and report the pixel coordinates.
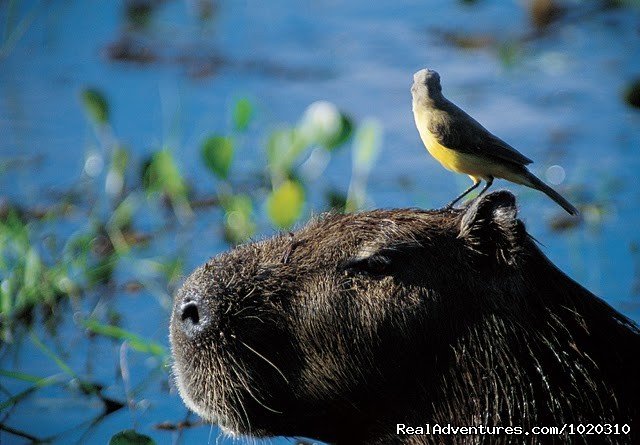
(469, 164)
(450, 159)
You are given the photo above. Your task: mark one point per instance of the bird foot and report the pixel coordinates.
(448, 208)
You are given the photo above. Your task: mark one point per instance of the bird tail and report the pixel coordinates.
(536, 183)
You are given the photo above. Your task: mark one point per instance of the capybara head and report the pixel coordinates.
(356, 323)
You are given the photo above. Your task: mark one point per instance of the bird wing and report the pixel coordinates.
(459, 131)
(497, 147)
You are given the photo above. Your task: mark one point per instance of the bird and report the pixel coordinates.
(461, 144)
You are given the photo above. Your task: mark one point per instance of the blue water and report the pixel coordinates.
(559, 101)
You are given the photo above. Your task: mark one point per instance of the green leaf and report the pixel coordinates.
(122, 216)
(217, 154)
(101, 271)
(161, 174)
(95, 105)
(509, 53)
(32, 269)
(130, 437)
(53, 356)
(277, 145)
(119, 159)
(242, 114)
(366, 145)
(38, 382)
(285, 204)
(168, 175)
(336, 200)
(172, 269)
(238, 223)
(135, 341)
(114, 181)
(29, 378)
(147, 175)
(284, 147)
(341, 136)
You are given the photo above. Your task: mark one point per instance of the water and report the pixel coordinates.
(556, 97)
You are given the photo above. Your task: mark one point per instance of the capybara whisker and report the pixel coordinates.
(266, 360)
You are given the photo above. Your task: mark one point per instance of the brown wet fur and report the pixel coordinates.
(357, 322)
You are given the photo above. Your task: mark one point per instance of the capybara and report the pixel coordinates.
(384, 327)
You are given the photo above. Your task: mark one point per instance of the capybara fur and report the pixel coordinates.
(356, 323)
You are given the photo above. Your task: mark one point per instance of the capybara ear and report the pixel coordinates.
(490, 226)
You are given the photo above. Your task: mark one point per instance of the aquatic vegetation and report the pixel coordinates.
(26, 279)
(35, 274)
(53, 259)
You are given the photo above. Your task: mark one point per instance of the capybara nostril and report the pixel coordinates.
(195, 315)
(190, 313)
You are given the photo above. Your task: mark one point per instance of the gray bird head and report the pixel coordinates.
(426, 84)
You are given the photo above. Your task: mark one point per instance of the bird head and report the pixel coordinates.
(426, 84)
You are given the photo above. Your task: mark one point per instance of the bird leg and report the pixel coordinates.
(486, 187)
(476, 183)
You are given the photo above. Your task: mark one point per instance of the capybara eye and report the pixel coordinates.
(375, 266)
(378, 265)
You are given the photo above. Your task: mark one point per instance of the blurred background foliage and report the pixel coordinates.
(141, 137)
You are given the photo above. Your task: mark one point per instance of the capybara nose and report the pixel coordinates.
(195, 315)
